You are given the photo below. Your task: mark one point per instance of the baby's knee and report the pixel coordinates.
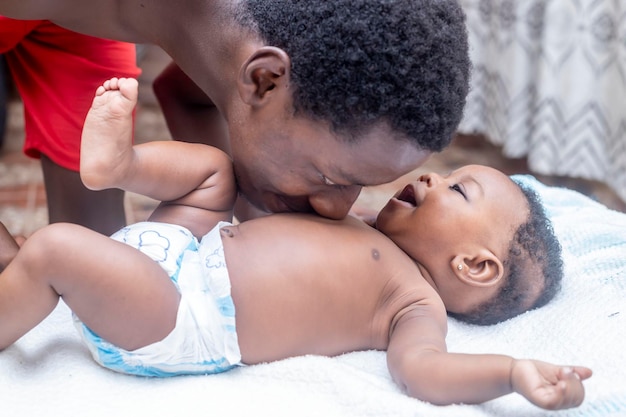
(46, 242)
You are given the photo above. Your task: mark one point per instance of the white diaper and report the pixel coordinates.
(204, 339)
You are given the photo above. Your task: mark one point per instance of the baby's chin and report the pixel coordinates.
(380, 220)
(386, 215)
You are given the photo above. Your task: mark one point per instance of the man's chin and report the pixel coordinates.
(245, 210)
(276, 203)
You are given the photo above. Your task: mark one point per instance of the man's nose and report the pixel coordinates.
(335, 202)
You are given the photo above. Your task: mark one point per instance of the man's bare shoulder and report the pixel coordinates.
(113, 19)
(34, 9)
(137, 21)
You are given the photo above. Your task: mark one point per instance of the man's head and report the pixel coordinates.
(483, 242)
(375, 76)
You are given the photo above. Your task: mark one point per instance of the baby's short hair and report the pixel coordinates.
(356, 63)
(534, 258)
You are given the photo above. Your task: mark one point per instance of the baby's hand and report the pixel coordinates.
(549, 386)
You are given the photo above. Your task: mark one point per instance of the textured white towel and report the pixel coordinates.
(49, 372)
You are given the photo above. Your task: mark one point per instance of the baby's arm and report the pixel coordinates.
(419, 363)
(194, 181)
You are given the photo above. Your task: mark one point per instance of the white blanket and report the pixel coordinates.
(50, 373)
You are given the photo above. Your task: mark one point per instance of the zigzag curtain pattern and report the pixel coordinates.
(549, 83)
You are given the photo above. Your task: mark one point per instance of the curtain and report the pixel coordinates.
(549, 83)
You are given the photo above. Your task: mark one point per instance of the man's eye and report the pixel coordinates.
(458, 189)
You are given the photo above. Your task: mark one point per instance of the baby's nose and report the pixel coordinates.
(430, 179)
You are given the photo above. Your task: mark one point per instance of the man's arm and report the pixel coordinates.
(419, 363)
(48, 10)
(192, 117)
(190, 114)
(101, 18)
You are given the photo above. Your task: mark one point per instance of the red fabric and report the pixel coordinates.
(56, 72)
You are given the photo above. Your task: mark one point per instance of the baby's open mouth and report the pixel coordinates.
(408, 195)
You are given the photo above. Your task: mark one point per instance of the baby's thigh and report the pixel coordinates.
(121, 294)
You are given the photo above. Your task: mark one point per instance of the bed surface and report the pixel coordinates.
(49, 371)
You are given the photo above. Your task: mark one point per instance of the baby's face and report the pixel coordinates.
(436, 218)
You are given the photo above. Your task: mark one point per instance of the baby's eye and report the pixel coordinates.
(458, 189)
(326, 181)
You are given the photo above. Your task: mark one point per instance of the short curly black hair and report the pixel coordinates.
(534, 258)
(356, 63)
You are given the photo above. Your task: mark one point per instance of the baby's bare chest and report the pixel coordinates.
(327, 289)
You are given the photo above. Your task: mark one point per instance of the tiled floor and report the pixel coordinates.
(23, 200)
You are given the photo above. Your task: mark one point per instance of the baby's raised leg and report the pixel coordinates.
(117, 291)
(106, 147)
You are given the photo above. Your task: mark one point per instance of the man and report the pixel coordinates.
(312, 100)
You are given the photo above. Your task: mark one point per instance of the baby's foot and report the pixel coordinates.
(106, 147)
(8, 247)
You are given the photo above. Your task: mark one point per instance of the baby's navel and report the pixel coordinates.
(375, 254)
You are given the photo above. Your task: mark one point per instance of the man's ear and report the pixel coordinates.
(482, 269)
(266, 69)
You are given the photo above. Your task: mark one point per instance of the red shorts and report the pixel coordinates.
(56, 73)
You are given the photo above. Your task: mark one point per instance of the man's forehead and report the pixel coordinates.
(376, 168)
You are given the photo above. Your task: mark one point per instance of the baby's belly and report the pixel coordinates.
(294, 297)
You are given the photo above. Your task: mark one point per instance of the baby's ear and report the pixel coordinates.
(265, 69)
(481, 269)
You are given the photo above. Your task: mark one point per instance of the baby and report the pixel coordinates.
(188, 292)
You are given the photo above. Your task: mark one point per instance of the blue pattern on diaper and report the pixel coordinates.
(110, 356)
(153, 238)
(226, 306)
(215, 259)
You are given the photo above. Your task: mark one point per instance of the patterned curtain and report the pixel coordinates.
(549, 83)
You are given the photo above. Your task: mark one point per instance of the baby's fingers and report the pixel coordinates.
(569, 390)
(582, 372)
